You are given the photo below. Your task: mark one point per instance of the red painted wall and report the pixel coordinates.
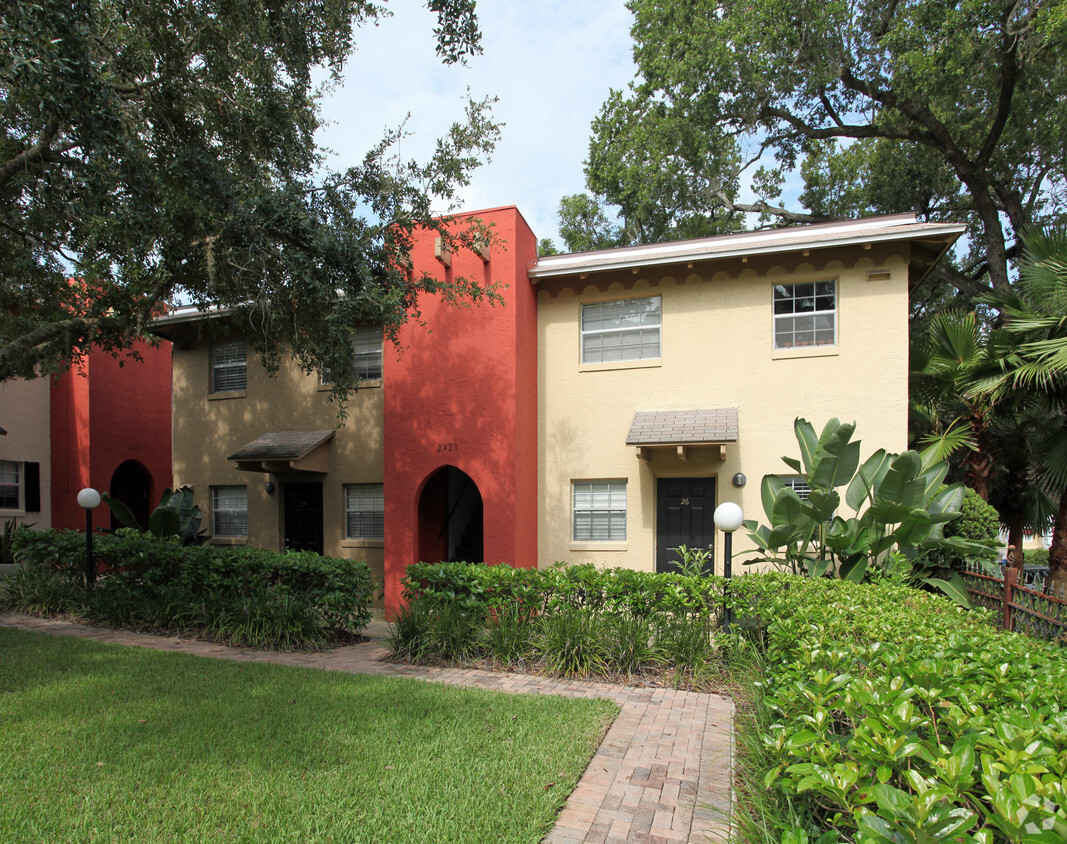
(462, 391)
(103, 414)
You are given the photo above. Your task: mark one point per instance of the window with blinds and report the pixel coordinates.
(229, 366)
(599, 511)
(366, 346)
(10, 477)
(627, 329)
(229, 510)
(364, 511)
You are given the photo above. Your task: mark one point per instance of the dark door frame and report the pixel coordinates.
(302, 516)
(685, 518)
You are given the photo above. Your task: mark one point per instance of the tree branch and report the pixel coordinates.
(763, 207)
(34, 154)
(1008, 73)
(845, 130)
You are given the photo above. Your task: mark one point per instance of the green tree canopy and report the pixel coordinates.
(957, 110)
(166, 150)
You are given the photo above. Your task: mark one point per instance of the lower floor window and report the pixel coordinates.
(20, 486)
(229, 510)
(364, 511)
(10, 475)
(798, 484)
(599, 511)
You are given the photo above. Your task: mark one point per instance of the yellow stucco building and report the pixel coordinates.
(599, 414)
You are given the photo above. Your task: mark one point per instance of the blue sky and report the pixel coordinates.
(550, 63)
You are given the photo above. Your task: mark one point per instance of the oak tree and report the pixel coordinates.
(166, 151)
(956, 110)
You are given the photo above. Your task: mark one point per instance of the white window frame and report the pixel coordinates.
(598, 511)
(633, 310)
(365, 511)
(230, 366)
(797, 484)
(11, 477)
(806, 308)
(366, 348)
(236, 508)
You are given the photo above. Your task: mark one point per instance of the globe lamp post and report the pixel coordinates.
(728, 518)
(89, 499)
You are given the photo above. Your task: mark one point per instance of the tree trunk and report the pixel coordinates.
(1057, 553)
(1015, 541)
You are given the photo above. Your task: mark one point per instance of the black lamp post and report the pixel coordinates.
(89, 498)
(728, 518)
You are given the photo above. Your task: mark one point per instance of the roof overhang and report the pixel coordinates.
(285, 451)
(681, 430)
(935, 238)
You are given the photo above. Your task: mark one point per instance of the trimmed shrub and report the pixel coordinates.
(613, 591)
(898, 716)
(241, 595)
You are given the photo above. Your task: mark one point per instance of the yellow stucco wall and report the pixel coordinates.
(717, 352)
(25, 415)
(208, 427)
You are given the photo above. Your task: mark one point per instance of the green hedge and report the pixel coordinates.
(898, 716)
(235, 594)
(637, 593)
(575, 621)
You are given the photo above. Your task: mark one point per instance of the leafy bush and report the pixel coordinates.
(615, 591)
(574, 621)
(897, 716)
(899, 502)
(241, 595)
(978, 521)
(1035, 556)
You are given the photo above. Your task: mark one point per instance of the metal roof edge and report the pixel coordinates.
(888, 228)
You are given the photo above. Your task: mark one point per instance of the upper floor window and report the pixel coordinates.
(229, 510)
(364, 511)
(229, 366)
(599, 511)
(367, 353)
(805, 314)
(625, 329)
(366, 346)
(10, 482)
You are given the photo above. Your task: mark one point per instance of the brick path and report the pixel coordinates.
(661, 775)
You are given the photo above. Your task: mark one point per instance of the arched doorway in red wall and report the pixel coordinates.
(131, 484)
(451, 520)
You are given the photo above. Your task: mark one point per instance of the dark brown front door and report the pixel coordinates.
(684, 516)
(303, 517)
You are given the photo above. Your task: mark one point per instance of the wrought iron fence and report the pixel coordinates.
(1024, 601)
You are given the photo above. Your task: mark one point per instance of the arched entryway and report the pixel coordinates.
(450, 518)
(131, 484)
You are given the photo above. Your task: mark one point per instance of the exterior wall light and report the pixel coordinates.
(269, 487)
(740, 479)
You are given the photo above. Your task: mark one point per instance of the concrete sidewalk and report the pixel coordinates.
(661, 775)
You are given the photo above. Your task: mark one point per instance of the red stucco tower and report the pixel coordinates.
(461, 415)
(111, 423)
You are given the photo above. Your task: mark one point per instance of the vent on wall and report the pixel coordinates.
(879, 275)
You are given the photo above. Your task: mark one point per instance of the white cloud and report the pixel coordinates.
(551, 64)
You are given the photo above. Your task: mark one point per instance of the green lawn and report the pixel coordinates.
(105, 743)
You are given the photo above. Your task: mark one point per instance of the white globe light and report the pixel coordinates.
(728, 517)
(89, 498)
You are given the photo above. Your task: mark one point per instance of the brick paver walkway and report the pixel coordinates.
(661, 775)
